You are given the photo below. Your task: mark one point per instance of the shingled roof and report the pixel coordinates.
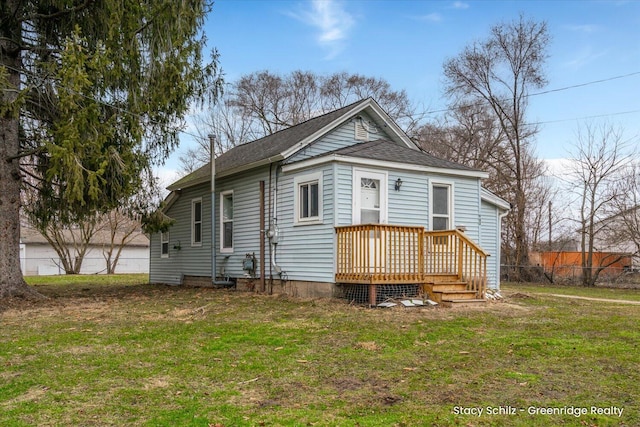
(389, 151)
(266, 149)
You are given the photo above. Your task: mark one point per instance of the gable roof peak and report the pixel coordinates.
(286, 142)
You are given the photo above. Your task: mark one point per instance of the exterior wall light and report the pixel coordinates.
(398, 184)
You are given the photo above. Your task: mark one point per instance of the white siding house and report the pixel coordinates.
(38, 258)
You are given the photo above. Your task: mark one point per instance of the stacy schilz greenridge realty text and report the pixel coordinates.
(576, 411)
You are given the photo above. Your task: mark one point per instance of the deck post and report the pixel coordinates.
(372, 295)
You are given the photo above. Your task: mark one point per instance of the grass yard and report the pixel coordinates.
(116, 351)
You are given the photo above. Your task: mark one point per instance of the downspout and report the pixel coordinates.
(212, 149)
(269, 231)
(262, 237)
(274, 232)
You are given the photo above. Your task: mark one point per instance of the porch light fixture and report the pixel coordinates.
(398, 184)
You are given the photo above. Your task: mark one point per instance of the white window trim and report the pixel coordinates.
(222, 248)
(193, 221)
(384, 190)
(311, 178)
(451, 216)
(162, 242)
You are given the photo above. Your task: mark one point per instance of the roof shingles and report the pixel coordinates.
(389, 151)
(268, 147)
(271, 148)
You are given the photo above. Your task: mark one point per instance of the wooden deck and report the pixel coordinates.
(377, 254)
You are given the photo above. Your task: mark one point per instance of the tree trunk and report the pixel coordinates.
(12, 283)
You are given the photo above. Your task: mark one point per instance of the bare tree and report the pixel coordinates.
(71, 243)
(120, 230)
(600, 158)
(263, 103)
(622, 226)
(228, 127)
(498, 74)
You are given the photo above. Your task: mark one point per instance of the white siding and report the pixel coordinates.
(42, 259)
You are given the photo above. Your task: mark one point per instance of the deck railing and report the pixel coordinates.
(393, 254)
(451, 252)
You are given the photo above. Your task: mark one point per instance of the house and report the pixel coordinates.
(342, 202)
(38, 258)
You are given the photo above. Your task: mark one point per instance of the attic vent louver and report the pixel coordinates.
(362, 133)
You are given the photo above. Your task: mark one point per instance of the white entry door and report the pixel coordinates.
(369, 197)
(370, 207)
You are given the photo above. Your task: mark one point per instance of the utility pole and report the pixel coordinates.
(550, 225)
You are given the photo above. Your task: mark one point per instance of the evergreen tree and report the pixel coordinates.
(92, 95)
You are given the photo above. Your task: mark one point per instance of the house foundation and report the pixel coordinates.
(294, 288)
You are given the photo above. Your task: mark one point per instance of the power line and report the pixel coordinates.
(586, 117)
(608, 79)
(593, 82)
(585, 84)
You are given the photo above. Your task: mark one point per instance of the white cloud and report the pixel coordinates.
(583, 57)
(332, 21)
(584, 28)
(431, 17)
(460, 5)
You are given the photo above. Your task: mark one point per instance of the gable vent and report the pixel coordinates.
(362, 132)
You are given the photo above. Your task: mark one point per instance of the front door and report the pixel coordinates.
(370, 207)
(369, 197)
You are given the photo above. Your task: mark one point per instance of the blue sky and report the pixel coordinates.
(407, 42)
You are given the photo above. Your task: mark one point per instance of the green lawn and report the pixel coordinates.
(121, 352)
(592, 292)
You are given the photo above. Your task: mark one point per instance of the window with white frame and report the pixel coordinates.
(164, 244)
(308, 198)
(196, 222)
(226, 221)
(441, 207)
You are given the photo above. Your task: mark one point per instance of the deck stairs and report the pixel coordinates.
(449, 291)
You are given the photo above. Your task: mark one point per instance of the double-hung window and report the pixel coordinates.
(226, 221)
(308, 198)
(441, 207)
(196, 222)
(164, 244)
